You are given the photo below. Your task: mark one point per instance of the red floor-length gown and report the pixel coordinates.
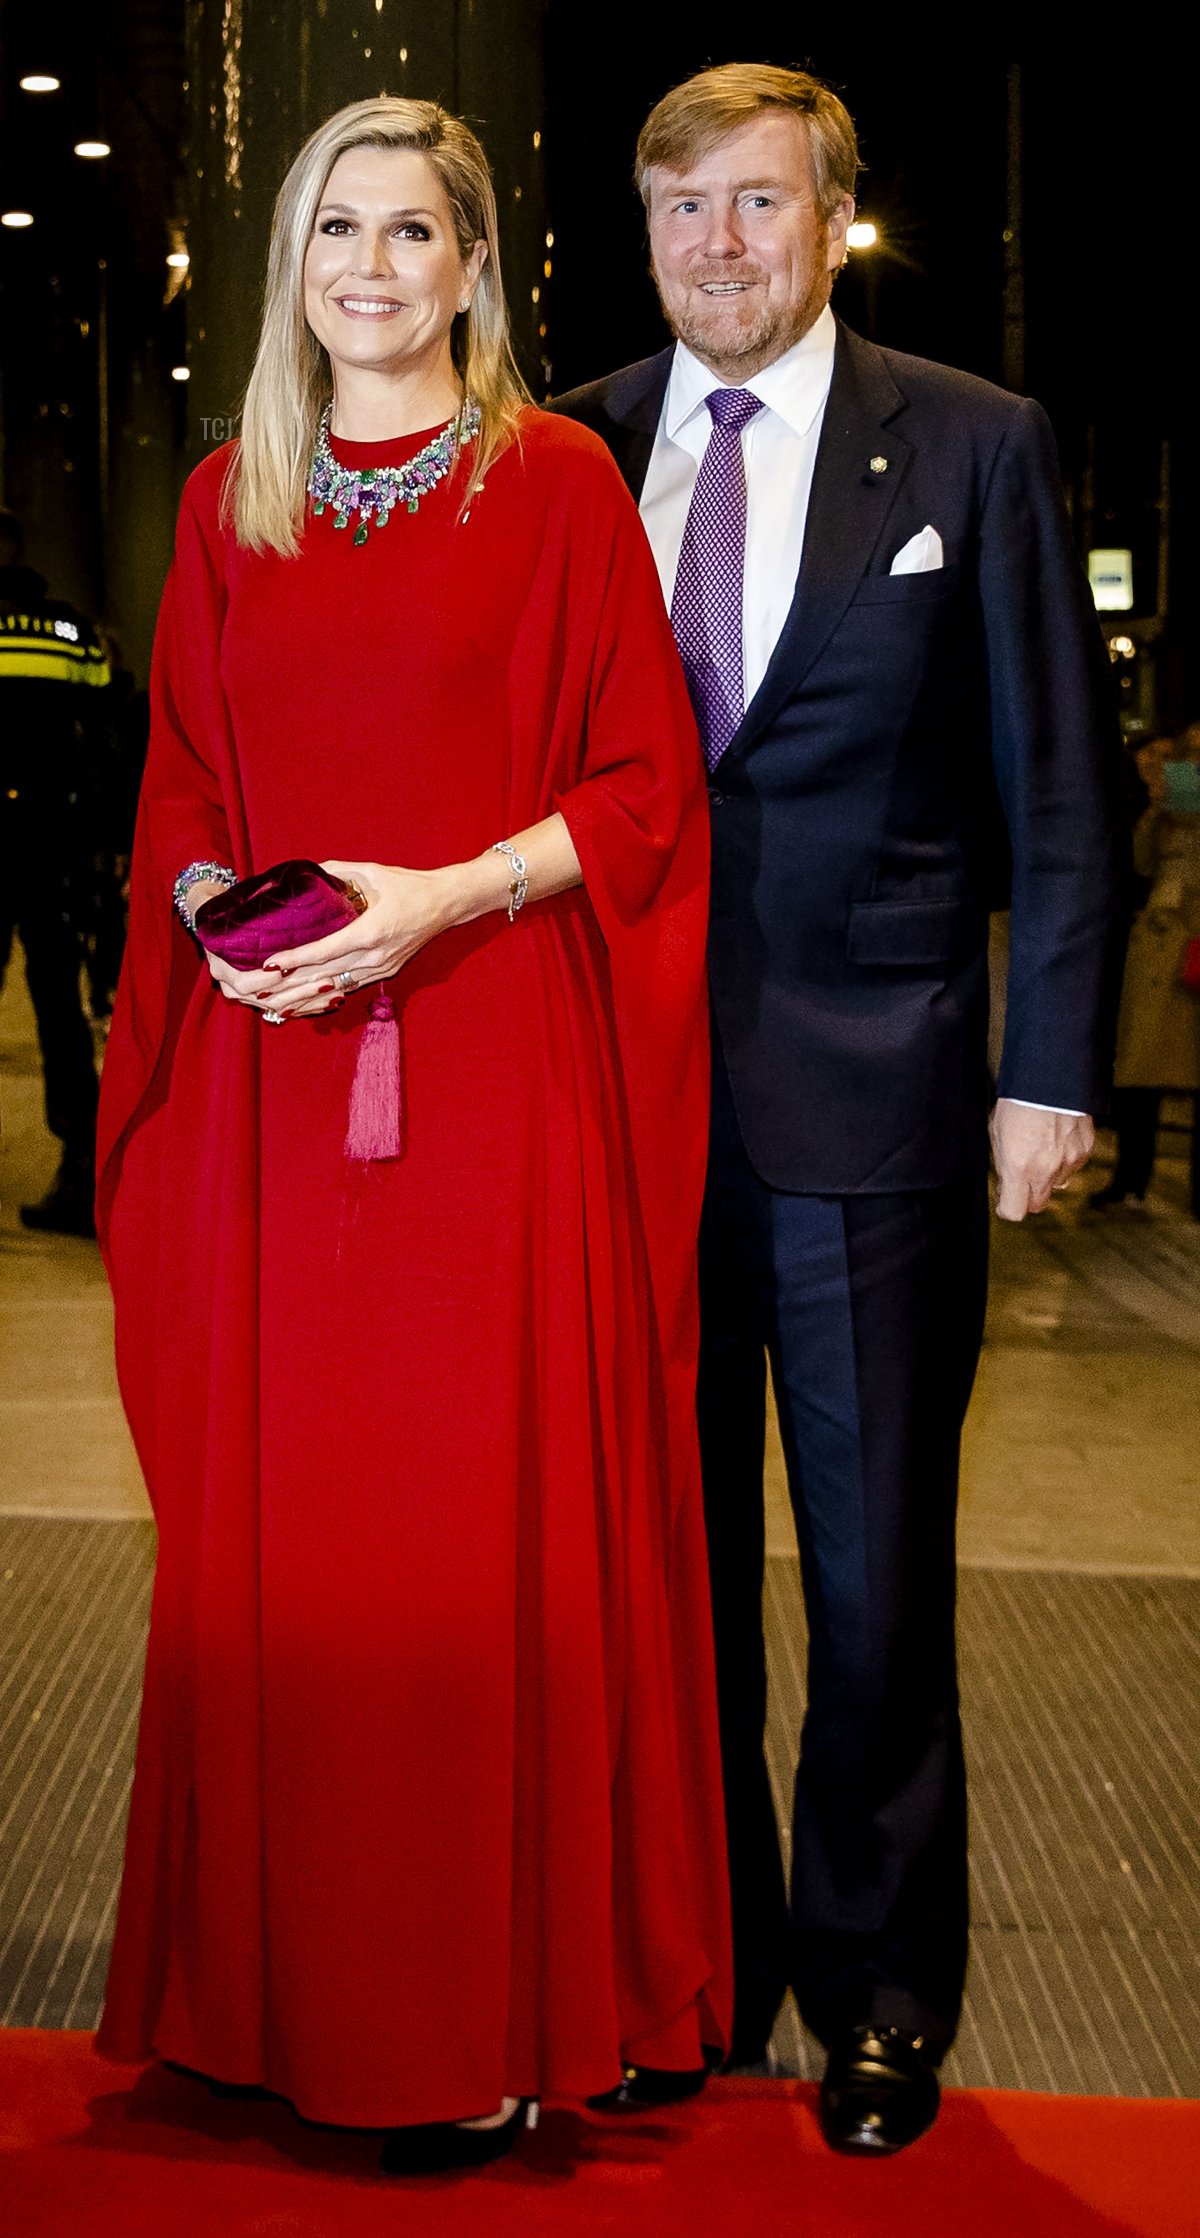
(427, 1806)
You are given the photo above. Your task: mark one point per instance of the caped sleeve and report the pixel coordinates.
(640, 805)
(188, 811)
(638, 816)
(183, 814)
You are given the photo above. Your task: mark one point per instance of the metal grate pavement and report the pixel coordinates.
(1082, 1706)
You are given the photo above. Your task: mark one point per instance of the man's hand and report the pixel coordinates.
(1035, 1152)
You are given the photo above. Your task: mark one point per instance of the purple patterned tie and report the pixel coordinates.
(706, 607)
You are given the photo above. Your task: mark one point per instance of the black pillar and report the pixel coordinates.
(264, 73)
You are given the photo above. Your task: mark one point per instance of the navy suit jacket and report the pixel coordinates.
(921, 749)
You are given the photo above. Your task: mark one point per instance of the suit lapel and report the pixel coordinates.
(847, 510)
(633, 405)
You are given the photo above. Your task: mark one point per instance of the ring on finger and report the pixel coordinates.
(273, 1018)
(344, 979)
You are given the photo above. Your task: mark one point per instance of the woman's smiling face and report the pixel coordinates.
(383, 273)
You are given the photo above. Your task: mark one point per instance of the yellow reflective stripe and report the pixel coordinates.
(56, 668)
(58, 663)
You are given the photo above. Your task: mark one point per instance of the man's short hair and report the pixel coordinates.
(694, 116)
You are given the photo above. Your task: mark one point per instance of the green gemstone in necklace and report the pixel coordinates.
(375, 492)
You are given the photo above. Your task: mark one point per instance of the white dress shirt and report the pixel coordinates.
(779, 448)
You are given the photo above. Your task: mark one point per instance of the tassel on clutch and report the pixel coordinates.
(374, 1129)
(286, 907)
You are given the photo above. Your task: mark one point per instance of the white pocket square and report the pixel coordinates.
(920, 555)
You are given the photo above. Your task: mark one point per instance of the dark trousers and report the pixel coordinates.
(1135, 1113)
(871, 1311)
(36, 902)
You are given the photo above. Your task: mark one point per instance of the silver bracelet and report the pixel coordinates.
(519, 883)
(219, 873)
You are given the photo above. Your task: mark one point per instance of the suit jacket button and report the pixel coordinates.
(715, 797)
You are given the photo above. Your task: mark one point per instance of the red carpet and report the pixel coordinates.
(89, 2150)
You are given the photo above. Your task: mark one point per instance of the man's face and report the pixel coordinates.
(743, 259)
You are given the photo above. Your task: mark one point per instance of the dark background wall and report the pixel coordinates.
(204, 105)
(206, 102)
(91, 424)
(1106, 139)
(264, 73)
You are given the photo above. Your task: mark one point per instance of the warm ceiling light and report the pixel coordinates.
(181, 373)
(16, 218)
(179, 260)
(92, 148)
(862, 234)
(37, 84)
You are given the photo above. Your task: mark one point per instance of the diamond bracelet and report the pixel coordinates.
(220, 873)
(519, 882)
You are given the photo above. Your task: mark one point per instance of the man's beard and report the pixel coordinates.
(751, 344)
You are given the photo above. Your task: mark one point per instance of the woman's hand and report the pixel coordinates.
(254, 988)
(257, 989)
(405, 909)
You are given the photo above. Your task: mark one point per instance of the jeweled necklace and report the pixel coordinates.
(375, 492)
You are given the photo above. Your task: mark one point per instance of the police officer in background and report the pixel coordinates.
(48, 654)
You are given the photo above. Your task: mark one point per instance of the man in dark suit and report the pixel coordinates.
(902, 700)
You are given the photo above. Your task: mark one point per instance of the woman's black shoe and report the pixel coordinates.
(215, 2087)
(432, 2148)
(642, 2088)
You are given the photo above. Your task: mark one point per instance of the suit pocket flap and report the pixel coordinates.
(907, 932)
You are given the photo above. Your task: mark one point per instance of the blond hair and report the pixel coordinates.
(694, 116)
(292, 381)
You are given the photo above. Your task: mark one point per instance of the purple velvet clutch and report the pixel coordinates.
(284, 907)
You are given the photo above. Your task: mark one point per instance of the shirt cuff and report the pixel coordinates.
(1057, 1108)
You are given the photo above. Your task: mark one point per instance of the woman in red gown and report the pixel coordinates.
(427, 1816)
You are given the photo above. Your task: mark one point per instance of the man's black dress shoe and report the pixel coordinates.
(643, 2088)
(880, 2091)
(1101, 1199)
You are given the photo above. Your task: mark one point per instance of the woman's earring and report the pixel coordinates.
(465, 306)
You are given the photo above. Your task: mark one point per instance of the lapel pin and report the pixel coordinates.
(878, 464)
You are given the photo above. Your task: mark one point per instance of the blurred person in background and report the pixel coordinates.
(1158, 1038)
(52, 666)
